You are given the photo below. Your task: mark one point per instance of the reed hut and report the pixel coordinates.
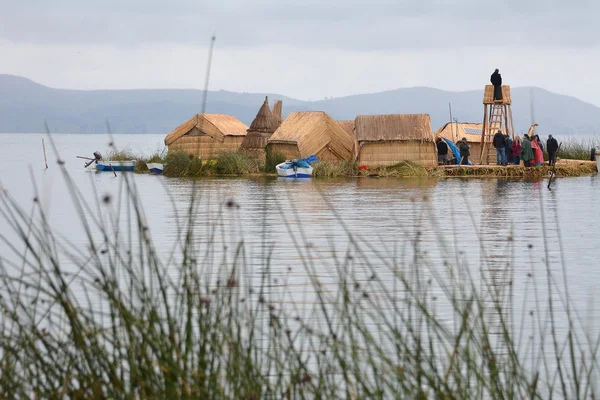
(260, 130)
(207, 135)
(311, 132)
(385, 140)
(455, 131)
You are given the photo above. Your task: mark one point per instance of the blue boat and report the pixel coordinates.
(297, 168)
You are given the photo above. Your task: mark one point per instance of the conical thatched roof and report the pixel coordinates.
(264, 121)
(261, 128)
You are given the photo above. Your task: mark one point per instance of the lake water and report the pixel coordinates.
(485, 223)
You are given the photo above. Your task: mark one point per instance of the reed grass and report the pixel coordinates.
(272, 159)
(236, 163)
(333, 169)
(577, 149)
(119, 318)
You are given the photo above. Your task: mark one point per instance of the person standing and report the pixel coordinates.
(496, 80)
(442, 149)
(516, 150)
(508, 159)
(526, 151)
(552, 148)
(464, 151)
(538, 156)
(499, 144)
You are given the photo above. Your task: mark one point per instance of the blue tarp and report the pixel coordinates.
(454, 150)
(301, 163)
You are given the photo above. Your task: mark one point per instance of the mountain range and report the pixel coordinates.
(24, 105)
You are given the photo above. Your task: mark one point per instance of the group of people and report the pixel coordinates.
(530, 150)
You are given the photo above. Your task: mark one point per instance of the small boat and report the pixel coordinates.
(296, 168)
(155, 168)
(98, 164)
(109, 166)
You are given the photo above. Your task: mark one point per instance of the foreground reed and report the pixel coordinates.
(124, 319)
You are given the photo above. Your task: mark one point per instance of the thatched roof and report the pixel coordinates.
(348, 126)
(311, 131)
(216, 126)
(264, 121)
(488, 95)
(277, 109)
(393, 127)
(456, 131)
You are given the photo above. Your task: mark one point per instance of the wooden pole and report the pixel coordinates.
(45, 159)
(113, 170)
(483, 135)
(452, 133)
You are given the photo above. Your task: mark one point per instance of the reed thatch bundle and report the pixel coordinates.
(394, 138)
(277, 110)
(488, 95)
(312, 132)
(206, 135)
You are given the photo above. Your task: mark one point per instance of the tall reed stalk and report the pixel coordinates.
(122, 318)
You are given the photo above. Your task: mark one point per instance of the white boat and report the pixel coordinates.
(288, 170)
(155, 168)
(110, 166)
(598, 162)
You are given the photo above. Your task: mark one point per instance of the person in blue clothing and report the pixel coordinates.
(508, 159)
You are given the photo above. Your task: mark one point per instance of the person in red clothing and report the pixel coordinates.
(516, 150)
(538, 156)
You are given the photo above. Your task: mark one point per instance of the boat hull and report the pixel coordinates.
(155, 168)
(109, 166)
(300, 172)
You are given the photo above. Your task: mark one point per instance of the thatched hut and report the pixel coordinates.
(385, 140)
(311, 132)
(455, 131)
(260, 130)
(207, 135)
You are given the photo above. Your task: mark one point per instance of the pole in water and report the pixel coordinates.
(113, 170)
(553, 171)
(45, 159)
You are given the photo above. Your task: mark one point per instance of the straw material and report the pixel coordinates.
(261, 128)
(385, 140)
(277, 109)
(348, 126)
(393, 127)
(312, 132)
(264, 121)
(205, 147)
(216, 126)
(384, 154)
(488, 95)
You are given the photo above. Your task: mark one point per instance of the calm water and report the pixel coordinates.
(486, 223)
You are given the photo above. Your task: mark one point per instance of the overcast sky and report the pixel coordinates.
(308, 49)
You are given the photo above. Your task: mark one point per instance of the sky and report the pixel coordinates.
(310, 49)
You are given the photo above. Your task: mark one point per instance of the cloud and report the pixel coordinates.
(332, 24)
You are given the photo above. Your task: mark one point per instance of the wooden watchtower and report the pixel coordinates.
(497, 115)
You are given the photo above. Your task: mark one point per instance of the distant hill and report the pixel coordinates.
(25, 104)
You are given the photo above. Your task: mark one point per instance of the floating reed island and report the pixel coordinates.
(397, 145)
